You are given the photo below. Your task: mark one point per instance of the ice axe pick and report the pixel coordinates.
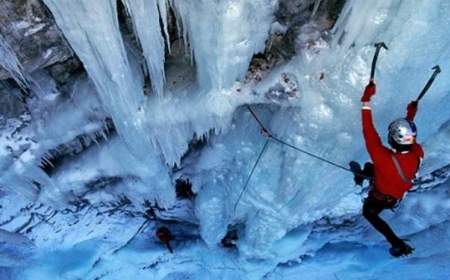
(437, 70)
(378, 47)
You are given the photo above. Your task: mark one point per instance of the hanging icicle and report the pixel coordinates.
(145, 17)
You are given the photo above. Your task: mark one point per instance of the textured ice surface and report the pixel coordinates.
(290, 189)
(224, 35)
(97, 40)
(344, 247)
(298, 216)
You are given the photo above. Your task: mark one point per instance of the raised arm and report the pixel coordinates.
(411, 110)
(373, 141)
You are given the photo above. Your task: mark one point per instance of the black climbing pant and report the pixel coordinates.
(372, 208)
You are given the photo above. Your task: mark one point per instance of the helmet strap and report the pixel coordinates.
(398, 147)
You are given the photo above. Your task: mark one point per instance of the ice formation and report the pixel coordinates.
(113, 150)
(145, 18)
(221, 43)
(10, 63)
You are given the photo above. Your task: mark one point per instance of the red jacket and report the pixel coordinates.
(387, 178)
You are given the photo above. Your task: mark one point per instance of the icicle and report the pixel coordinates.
(94, 138)
(96, 39)
(145, 17)
(87, 140)
(46, 160)
(105, 128)
(223, 36)
(181, 12)
(10, 62)
(162, 6)
(104, 135)
(316, 7)
(49, 156)
(359, 21)
(178, 20)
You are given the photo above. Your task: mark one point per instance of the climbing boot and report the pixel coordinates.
(402, 249)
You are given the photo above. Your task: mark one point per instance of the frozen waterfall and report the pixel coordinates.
(161, 99)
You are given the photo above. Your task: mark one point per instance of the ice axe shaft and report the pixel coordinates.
(437, 70)
(378, 47)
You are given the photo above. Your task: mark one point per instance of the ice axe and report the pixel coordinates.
(437, 70)
(378, 47)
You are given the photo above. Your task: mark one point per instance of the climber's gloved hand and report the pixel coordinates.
(369, 92)
(411, 110)
(355, 167)
(359, 174)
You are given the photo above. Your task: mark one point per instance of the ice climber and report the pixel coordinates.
(393, 169)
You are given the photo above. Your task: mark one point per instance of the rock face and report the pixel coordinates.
(30, 30)
(25, 23)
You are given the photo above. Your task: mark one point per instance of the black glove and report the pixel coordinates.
(357, 172)
(359, 175)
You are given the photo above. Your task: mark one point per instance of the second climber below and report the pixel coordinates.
(394, 168)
